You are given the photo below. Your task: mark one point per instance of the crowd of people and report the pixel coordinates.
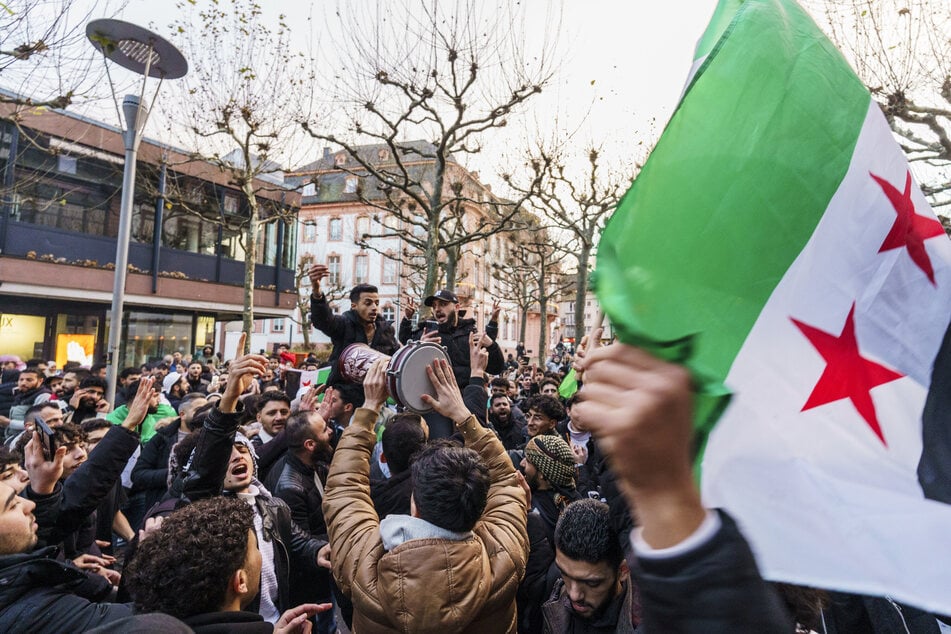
(208, 498)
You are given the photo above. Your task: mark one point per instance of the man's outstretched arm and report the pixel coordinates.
(694, 568)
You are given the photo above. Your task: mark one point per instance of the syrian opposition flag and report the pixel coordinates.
(776, 243)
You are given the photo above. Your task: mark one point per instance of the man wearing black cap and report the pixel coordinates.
(453, 334)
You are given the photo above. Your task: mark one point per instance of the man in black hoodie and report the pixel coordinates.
(405, 434)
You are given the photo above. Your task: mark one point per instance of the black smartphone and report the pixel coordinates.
(430, 325)
(47, 438)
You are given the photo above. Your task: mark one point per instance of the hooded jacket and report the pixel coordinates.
(440, 583)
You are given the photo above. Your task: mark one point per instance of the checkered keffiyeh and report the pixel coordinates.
(553, 458)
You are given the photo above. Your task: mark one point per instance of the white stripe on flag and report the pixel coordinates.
(824, 501)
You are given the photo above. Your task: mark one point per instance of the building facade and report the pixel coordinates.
(61, 191)
(362, 243)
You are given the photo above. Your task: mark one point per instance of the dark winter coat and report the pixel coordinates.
(40, 594)
(346, 329)
(391, 495)
(82, 492)
(150, 473)
(455, 339)
(296, 487)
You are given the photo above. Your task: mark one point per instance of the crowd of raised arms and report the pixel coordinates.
(229, 496)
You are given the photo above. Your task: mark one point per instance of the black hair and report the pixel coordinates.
(127, 372)
(92, 424)
(360, 289)
(36, 409)
(199, 416)
(500, 381)
(198, 547)
(550, 381)
(97, 367)
(297, 429)
(93, 381)
(547, 405)
(450, 486)
(495, 397)
(266, 397)
(33, 370)
(351, 393)
(584, 533)
(403, 436)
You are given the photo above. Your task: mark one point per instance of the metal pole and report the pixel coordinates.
(130, 108)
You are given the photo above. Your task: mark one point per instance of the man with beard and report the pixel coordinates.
(361, 324)
(87, 401)
(594, 593)
(157, 410)
(301, 485)
(29, 392)
(452, 332)
(512, 435)
(194, 377)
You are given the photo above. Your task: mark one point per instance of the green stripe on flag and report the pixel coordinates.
(569, 385)
(732, 192)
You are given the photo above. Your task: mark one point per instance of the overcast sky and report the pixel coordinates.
(624, 64)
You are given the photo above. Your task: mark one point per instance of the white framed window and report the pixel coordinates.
(333, 267)
(350, 185)
(362, 228)
(389, 313)
(340, 159)
(389, 270)
(310, 232)
(309, 189)
(277, 325)
(335, 229)
(231, 204)
(360, 269)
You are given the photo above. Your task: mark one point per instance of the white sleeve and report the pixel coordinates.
(707, 529)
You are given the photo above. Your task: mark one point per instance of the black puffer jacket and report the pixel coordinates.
(455, 339)
(40, 594)
(346, 329)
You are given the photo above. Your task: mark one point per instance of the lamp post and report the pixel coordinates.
(149, 55)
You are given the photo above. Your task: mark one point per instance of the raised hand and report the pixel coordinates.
(242, 372)
(44, 472)
(141, 402)
(315, 273)
(409, 307)
(374, 385)
(478, 355)
(640, 409)
(588, 343)
(448, 400)
(496, 309)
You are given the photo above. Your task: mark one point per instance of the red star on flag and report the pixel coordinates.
(910, 230)
(848, 374)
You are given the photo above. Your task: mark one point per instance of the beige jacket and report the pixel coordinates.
(426, 585)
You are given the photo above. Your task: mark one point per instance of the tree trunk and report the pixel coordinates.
(543, 315)
(581, 292)
(250, 258)
(451, 266)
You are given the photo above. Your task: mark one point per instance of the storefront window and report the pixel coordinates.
(75, 338)
(150, 336)
(22, 335)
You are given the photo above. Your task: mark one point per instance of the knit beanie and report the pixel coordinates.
(553, 458)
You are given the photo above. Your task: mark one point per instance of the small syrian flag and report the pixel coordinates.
(777, 244)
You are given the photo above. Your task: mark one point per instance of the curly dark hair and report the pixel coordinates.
(584, 533)
(197, 549)
(450, 486)
(548, 406)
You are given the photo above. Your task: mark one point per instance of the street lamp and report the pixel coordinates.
(149, 55)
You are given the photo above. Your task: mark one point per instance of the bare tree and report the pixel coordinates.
(45, 59)
(902, 51)
(237, 110)
(577, 202)
(447, 74)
